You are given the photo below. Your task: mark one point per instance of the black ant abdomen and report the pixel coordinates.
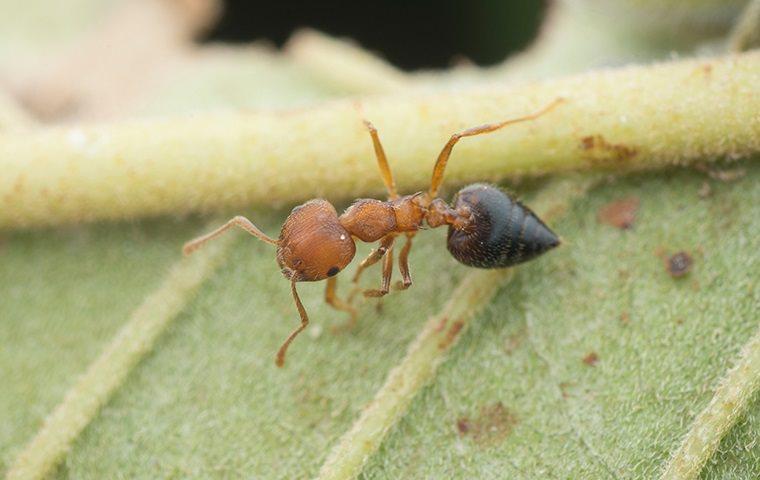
(502, 232)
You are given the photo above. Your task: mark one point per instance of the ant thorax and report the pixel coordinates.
(370, 220)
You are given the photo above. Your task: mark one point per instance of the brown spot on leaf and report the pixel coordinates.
(620, 213)
(442, 324)
(679, 264)
(600, 151)
(463, 425)
(491, 426)
(451, 335)
(591, 359)
(625, 318)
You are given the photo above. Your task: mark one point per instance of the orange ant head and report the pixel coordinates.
(313, 245)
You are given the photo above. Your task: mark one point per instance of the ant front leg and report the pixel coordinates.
(332, 299)
(375, 255)
(280, 359)
(387, 272)
(403, 264)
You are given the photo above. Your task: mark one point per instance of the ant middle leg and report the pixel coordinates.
(332, 299)
(375, 255)
(403, 264)
(385, 286)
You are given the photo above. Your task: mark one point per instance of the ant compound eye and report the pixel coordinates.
(333, 271)
(503, 232)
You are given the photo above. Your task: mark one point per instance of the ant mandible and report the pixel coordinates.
(487, 229)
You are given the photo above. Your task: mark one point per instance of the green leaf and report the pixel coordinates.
(64, 295)
(662, 344)
(738, 456)
(514, 398)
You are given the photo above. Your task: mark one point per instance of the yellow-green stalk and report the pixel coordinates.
(629, 118)
(729, 403)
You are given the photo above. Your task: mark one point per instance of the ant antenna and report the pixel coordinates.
(443, 157)
(238, 221)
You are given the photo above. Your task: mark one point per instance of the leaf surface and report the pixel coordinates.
(515, 395)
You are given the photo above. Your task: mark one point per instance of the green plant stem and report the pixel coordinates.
(439, 334)
(746, 32)
(727, 405)
(630, 118)
(104, 376)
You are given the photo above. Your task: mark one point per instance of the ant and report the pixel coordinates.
(487, 229)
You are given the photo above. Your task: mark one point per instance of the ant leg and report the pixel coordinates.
(332, 299)
(387, 272)
(443, 157)
(238, 221)
(374, 256)
(280, 359)
(382, 162)
(403, 264)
